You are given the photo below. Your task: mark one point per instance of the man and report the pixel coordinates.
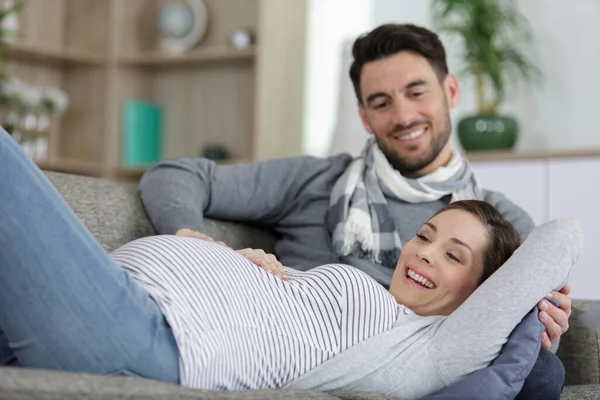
(357, 212)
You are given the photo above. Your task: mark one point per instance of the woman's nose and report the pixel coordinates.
(424, 255)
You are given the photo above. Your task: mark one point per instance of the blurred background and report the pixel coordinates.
(107, 88)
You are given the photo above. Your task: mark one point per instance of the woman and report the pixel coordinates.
(196, 313)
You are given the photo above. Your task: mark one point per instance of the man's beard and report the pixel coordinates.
(410, 166)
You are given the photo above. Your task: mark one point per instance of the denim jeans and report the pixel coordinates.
(64, 304)
(546, 379)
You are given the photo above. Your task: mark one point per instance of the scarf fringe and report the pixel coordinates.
(359, 214)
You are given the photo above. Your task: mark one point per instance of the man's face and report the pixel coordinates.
(407, 108)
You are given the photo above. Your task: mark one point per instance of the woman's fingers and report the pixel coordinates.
(266, 261)
(197, 235)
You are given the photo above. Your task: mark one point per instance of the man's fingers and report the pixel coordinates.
(546, 343)
(564, 301)
(566, 289)
(553, 329)
(560, 315)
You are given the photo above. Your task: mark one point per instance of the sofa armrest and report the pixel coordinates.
(579, 348)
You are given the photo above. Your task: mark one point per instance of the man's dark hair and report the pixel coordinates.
(503, 237)
(390, 39)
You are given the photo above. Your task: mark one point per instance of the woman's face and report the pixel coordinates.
(440, 267)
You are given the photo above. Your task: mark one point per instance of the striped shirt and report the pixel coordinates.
(238, 327)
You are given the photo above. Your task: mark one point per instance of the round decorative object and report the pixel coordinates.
(488, 132)
(215, 152)
(182, 24)
(241, 38)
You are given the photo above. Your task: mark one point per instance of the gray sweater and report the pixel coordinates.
(290, 196)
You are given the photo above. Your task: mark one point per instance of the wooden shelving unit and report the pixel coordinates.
(38, 54)
(215, 54)
(104, 52)
(71, 166)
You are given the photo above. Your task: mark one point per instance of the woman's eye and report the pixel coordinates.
(452, 257)
(422, 238)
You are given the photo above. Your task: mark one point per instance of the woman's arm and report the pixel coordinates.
(472, 336)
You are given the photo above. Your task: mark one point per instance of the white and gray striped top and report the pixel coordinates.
(239, 327)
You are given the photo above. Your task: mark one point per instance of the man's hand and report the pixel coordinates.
(555, 319)
(266, 261)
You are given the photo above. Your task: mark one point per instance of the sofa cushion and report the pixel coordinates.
(579, 348)
(113, 213)
(581, 392)
(20, 383)
(506, 375)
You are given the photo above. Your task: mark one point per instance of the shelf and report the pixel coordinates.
(135, 174)
(209, 54)
(71, 167)
(499, 155)
(59, 56)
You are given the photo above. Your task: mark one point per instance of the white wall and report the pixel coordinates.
(558, 115)
(327, 31)
(554, 188)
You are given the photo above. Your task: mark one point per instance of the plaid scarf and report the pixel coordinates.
(359, 218)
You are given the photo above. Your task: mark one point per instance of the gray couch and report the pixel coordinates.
(113, 213)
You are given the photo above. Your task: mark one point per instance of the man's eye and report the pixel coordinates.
(418, 94)
(381, 105)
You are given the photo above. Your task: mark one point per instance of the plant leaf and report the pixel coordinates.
(489, 32)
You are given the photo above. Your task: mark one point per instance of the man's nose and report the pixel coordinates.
(405, 113)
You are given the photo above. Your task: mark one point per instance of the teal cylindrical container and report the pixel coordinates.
(142, 136)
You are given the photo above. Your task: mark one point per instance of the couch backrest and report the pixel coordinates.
(579, 348)
(113, 213)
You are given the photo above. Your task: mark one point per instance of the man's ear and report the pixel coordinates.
(363, 117)
(452, 89)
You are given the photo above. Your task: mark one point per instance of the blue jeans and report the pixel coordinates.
(546, 379)
(64, 304)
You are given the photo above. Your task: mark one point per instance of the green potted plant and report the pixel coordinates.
(492, 33)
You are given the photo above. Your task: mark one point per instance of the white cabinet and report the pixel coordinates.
(522, 181)
(574, 191)
(553, 188)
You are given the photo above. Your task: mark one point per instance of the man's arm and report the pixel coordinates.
(178, 193)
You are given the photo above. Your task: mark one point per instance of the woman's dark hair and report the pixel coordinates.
(390, 39)
(503, 238)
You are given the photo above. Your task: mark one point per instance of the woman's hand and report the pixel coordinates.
(266, 261)
(555, 319)
(197, 235)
